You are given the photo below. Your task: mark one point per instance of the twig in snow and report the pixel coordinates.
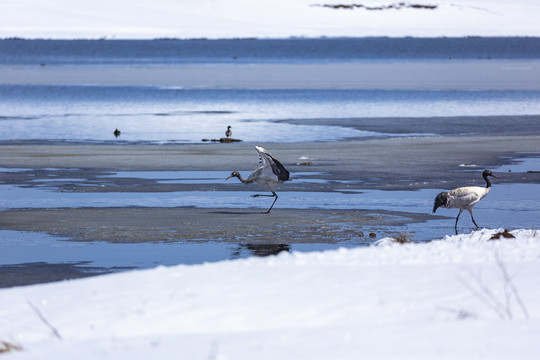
(45, 321)
(510, 284)
(485, 295)
(502, 308)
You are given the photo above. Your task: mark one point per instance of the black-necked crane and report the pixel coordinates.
(463, 198)
(270, 173)
(228, 133)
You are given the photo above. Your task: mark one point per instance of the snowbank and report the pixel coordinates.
(143, 19)
(460, 297)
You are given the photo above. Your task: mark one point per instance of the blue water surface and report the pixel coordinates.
(318, 50)
(149, 114)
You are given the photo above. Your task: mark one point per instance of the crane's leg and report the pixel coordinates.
(455, 226)
(472, 217)
(274, 195)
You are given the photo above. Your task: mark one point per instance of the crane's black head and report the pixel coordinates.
(228, 127)
(233, 174)
(487, 173)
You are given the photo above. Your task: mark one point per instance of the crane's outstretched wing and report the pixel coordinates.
(270, 163)
(255, 175)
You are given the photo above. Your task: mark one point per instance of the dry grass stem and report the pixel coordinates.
(45, 321)
(6, 347)
(502, 307)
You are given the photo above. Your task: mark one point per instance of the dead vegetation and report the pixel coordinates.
(505, 234)
(6, 347)
(402, 238)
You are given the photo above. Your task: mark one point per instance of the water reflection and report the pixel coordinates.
(264, 249)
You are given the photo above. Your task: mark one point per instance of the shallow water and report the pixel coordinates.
(498, 208)
(26, 247)
(507, 206)
(529, 164)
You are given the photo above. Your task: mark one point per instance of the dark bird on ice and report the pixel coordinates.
(270, 173)
(228, 133)
(464, 198)
(116, 133)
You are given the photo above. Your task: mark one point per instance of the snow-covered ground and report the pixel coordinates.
(144, 19)
(462, 297)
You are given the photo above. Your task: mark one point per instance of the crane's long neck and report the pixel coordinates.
(240, 177)
(488, 183)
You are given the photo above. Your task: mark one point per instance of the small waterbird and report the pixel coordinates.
(463, 198)
(228, 133)
(270, 173)
(116, 133)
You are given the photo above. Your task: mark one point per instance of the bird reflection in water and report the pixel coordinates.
(263, 249)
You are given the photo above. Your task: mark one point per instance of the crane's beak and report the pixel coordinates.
(228, 177)
(494, 176)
